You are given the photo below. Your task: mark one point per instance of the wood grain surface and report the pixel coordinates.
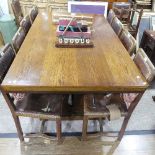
(40, 66)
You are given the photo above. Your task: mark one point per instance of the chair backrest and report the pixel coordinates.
(17, 11)
(117, 26)
(110, 16)
(18, 39)
(26, 23)
(144, 64)
(33, 13)
(134, 19)
(128, 41)
(6, 60)
(121, 9)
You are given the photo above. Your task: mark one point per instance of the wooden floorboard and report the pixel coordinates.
(130, 145)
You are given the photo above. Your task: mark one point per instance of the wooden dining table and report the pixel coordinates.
(40, 67)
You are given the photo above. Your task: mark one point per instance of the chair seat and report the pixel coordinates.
(131, 29)
(129, 98)
(97, 109)
(40, 106)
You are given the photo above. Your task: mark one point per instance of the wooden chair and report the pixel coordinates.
(41, 106)
(128, 41)
(26, 23)
(142, 61)
(102, 107)
(33, 13)
(17, 11)
(121, 10)
(110, 16)
(18, 39)
(134, 20)
(117, 26)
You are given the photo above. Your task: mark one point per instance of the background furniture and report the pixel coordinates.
(122, 10)
(148, 44)
(7, 27)
(54, 5)
(133, 21)
(145, 4)
(15, 4)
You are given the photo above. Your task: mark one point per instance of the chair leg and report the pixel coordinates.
(101, 124)
(124, 125)
(19, 129)
(15, 117)
(84, 129)
(126, 119)
(113, 148)
(58, 130)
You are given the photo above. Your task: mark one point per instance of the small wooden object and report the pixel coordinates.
(69, 45)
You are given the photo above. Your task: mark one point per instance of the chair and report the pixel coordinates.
(114, 106)
(17, 11)
(121, 10)
(134, 20)
(110, 16)
(128, 41)
(18, 39)
(42, 106)
(117, 26)
(144, 64)
(33, 13)
(26, 24)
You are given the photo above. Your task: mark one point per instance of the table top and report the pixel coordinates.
(39, 66)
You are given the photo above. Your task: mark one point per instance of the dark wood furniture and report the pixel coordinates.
(128, 41)
(18, 39)
(146, 5)
(15, 4)
(33, 13)
(114, 106)
(110, 2)
(40, 67)
(42, 106)
(132, 25)
(122, 10)
(43, 67)
(148, 44)
(6, 60)
(26, 24)
(110, 16)
(117, 26)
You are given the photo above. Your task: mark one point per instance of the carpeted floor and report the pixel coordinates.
(143, 117)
